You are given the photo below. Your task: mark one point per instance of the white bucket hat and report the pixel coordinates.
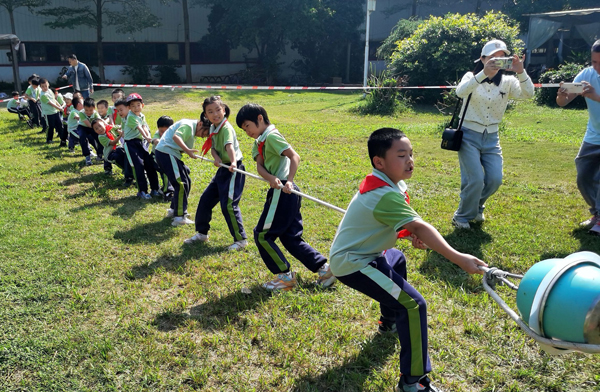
(493, 46)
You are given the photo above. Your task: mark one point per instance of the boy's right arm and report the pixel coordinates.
(430, 236)
(260, 167)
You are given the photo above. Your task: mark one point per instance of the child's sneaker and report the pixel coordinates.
(144, 196)
(237, 245)
(588, 224)
(596, 228)
(155, 193)
(198, 237)
(460, 225)
(181, 220)
(128, 182)
(326, 278)
(479, 217)
(424, 385)
(88, 161)
(284, 282)
(386, 326)
(170, 213)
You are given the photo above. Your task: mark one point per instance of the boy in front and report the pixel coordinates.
(277, 162)
(362, 254)
(18, 106)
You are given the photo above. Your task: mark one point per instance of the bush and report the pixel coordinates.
(442, 49)
(565, 73)
(167, 74)
(403, 29)
(385, 101)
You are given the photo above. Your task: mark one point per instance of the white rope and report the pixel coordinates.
(338, 209)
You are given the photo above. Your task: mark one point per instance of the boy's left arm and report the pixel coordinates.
(231, 155)
(294, 163)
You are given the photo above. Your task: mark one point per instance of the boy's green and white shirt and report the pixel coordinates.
(274, 144)
(370, 226)
(12, 104)
(130, 125)
(225, 135)
(45, 98)
(60, 99)
(83, 117)
(73, 122)
(185, 129)
(115, 116)
(33, 92)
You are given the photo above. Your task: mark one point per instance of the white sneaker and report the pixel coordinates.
(196, 238)
(326, 278)
(588, 224)
(170, 213)
(237, 245)
(595, 229)
(181, 220)
(460, 225)
(479, 218)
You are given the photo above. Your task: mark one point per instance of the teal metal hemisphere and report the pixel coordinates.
(560, 298)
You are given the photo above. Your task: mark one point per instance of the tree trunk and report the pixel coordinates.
(12, 21)
(478, 7)
(414, 8)
(99, 48)
(186, 33)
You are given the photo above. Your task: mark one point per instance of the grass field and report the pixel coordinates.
(97, 292)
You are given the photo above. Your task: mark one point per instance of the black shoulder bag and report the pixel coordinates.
(452, 138)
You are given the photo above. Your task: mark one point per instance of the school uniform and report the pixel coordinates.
(87, 136)
(362, 257)
(72, 124)
(34, 105)
(136, 149)
(169, 159)
(52, 116)
(167, 189)
(225, 187)
(281, 217)
(113, 154)
(16, 106)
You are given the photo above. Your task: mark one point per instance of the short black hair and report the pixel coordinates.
(36, 81)
(75, 101)
(14, 93)
(120, 102)
(250, 112)
(72, 56)
(381, 141)
(596, 46)
(89, 103)
(118, 90)
(102, 102)
(164, 121)
(34, 76)
(94, 121)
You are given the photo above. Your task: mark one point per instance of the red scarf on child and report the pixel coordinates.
(208, 143)
(110, 135)
(372, 182)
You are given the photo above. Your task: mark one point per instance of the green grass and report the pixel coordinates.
(97, 292)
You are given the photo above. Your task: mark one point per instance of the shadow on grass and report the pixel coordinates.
(216, 312)
(354, 372)
(148, 233)
(70, 167)
(588, 242)
(167, 262)
(436, 267)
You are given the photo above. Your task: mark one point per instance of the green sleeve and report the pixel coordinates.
(45, 99)
(186, 134)
(132, 121)
(255, 150)
(59, 99)
(393, 210)
(277, 143)
(104, 140)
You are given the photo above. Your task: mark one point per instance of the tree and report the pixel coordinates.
(98, 15)
(12, 5)
(186, 35)
(517, 9)
(442, 49)
(267, 26)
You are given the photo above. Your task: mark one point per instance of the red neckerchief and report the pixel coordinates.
(372, 182)
(261, 145)
(208, 143)
(65, 110)
(110, 135)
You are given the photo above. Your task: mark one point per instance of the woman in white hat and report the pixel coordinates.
(480, 155)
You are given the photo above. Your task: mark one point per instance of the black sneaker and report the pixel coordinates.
(423, 385)
(386, 326)
(30, 124)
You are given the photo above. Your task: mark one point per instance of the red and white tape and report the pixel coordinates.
(301, 88)
(297, 88)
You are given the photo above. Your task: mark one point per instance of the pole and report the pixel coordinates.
(338, 209)
(15, 67)
(366, 70)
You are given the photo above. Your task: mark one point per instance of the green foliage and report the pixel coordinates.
(319, 30)
(384, 101)
(137, 67)
(403, 29)
(167, 74)
(518, 9)
(564, 73)
(442, 49)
